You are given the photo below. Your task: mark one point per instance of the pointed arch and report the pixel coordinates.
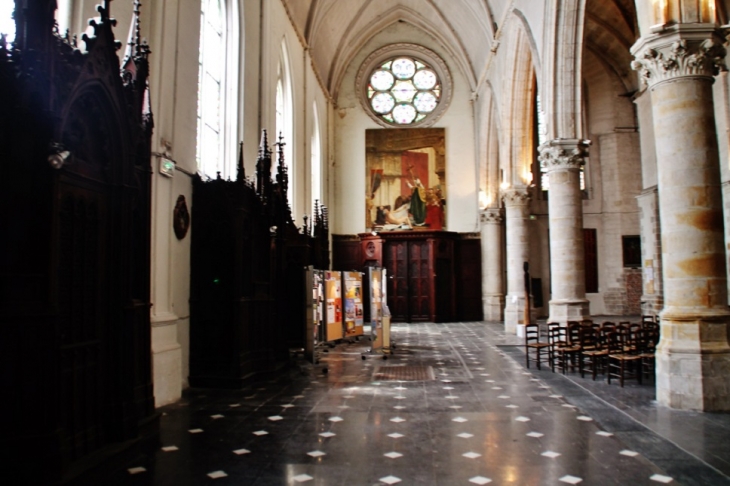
(356, 39)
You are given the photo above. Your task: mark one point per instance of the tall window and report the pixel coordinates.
(211, 90)
(7, 24)
(284, 119)
(316, 159)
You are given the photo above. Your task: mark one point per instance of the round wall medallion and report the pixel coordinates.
(180, 218)
(370, 249)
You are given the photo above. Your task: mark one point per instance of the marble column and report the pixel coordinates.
(693, 356)
(516, 204)
(492, 275)
(563, 159)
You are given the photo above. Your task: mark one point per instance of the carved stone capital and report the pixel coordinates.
(679, 51)
(491, 216)
(516, 197)
(563, 154)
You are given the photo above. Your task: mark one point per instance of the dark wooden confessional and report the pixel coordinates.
(75, 358)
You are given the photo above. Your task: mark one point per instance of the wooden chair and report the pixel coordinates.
(564, 346)
(620, 362)
(591, 350)
(646, 350)
(536, 349)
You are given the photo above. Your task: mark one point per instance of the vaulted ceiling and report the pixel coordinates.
(335, 30)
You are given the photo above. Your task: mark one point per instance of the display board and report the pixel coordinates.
(315, 312)
(376, 278)
(352, 282)
(333, 303)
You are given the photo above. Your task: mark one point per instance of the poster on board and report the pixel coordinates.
(315, 303)
(375, 276)
(353, 303)
(333, 302)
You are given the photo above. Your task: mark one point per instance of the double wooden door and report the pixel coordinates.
(410, 279)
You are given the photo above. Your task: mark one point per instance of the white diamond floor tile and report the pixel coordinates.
(396, 435)
(170, 448)
(397, 420)
(570, 479)
(136, 470)
(217, 474)
(260, 433)
(550, 454)
(465, 435)
(480, 480)
(302, 478)
(522, 419)
(195, 431)
(393, 455)
(536, 435)
(327, 435)
(471, 455)
(336, 419)
(584, 418)
(240, 452)
(216, 416)
(276, 418)
(399, 407)
(661, 478)
(603, 433)
(629, 453)
(390, 480)
(316, 453)
(460, 420)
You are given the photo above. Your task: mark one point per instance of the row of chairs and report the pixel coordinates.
(623, 350)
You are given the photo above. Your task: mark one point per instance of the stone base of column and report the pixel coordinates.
(693, 363)
(514, 313)
(493, 306)
(562, 311)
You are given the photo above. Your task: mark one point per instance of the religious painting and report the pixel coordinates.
(405, 179)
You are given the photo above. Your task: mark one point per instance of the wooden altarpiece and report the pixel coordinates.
(247, 307)
(75, 133)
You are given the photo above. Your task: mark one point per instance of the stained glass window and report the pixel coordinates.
(403, 90)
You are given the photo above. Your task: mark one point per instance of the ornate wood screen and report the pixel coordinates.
(74, 256)
(247, 284)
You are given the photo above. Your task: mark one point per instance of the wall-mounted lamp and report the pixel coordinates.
(58, 155)
(272, 230)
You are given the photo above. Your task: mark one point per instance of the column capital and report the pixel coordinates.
(563, 153)
(679, 51)
(516, 197)
(491, 216)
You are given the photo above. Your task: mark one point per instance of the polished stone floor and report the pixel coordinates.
(479, 418)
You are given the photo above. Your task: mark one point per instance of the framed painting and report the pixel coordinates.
(405, 179)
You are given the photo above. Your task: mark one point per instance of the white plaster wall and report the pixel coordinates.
(351, 121)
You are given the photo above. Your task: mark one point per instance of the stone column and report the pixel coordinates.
(492, 279)
(516, 204)
(563, 159)
(693, 356)
(652, 296)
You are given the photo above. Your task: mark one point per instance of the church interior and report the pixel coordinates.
(545, 184)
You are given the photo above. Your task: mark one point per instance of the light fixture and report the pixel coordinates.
(58, 155)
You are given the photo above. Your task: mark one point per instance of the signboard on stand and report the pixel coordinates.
(353, 304)
(333, 305)
(376, 278)
(315, 313)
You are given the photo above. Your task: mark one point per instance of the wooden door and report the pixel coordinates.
(410, 281)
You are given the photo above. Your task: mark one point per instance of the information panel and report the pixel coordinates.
(376, 279)
(333, 303)
(353, 304)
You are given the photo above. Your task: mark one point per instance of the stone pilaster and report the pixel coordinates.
(563, 159)
(693, 356)
(516, 204)
(492, 276)
(652, 296)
